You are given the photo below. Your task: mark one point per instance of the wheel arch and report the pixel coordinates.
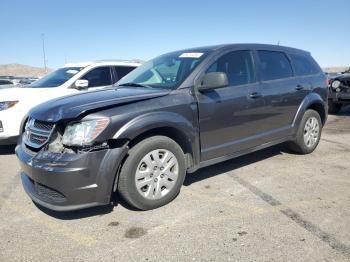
(315, 102)
(171, 125)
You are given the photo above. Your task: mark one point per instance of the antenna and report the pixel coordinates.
(278, 43)
(43, 41)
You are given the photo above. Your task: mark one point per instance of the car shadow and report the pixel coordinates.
(233, 164)
(198, 176)
(345, 111)
(7, 150)
(77, 214)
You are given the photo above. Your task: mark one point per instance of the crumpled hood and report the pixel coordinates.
(343, 77)
(73, 106)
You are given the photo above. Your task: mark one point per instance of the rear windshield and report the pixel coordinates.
(56, 78)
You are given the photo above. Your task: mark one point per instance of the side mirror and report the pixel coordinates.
(213, 80)
(81, 84)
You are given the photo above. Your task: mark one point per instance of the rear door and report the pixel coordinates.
(282, 93)
(226, 125)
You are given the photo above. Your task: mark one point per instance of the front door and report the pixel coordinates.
(226, 125)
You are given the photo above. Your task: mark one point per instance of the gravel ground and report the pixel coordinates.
(271, 205)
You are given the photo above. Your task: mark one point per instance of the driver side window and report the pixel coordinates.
(237, 65)
(100, 76)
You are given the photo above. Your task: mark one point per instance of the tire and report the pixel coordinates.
(300, 144)
(334, 108)
(153, 173)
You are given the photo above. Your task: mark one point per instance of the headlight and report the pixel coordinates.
(84, 133)
(336, 84)
(7, 104)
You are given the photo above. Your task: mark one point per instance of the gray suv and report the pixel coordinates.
(173, 115)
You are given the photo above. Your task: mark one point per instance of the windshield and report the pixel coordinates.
(56, 78)
(166, 71)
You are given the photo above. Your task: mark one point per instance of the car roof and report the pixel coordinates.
(246, 46)
(105, 63)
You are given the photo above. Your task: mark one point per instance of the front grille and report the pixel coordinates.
(43, 125)
(37, 133)
(33, 138)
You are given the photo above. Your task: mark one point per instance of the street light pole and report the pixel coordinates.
(43, 41)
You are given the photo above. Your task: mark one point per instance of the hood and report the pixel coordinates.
(343, 77)
(71, 107)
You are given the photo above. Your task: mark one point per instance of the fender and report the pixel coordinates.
(311, 99)
(154, 120)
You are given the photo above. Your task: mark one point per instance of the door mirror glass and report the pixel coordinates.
(213, 80)
(81, 84)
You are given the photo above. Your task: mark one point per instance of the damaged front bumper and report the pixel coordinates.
(341, 96)
(69, 181)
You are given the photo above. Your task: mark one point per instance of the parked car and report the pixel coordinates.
(27, 81)
(339, 92)
(75, 78)
(174, 114)
(4, 83)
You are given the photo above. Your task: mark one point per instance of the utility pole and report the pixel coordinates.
(43, 41)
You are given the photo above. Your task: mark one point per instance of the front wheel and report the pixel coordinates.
(308, 134)
(153, 173)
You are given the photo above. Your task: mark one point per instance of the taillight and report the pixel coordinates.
(328, 81)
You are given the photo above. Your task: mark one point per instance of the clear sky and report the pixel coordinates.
(88, 30)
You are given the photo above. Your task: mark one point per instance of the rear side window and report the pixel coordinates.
(123, 70)
(237, 65)
(303, 65)
(274, 65)
(100, 76)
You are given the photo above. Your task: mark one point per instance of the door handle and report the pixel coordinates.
(255, 95)
(299, 87)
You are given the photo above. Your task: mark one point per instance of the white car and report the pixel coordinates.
(15, 102)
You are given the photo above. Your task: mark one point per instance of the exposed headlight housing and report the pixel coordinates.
(84, 133)
(335, 84)
(7, 104)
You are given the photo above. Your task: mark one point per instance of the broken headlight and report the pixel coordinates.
(336, 84)
(84, 133)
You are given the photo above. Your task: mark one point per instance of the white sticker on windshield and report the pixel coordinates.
(72, 71)
(191, 55)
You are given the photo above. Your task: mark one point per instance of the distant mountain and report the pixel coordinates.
(22, 70)
(336, 69)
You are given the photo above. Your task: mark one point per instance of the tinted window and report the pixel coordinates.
(274, 65)
(123, 70)
(303, 65)
(100, 76)
(56, 78)
(238, 66)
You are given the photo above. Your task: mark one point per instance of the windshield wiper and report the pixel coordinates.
(134, 85)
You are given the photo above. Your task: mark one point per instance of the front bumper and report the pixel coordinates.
(339, 97)
(63, 182)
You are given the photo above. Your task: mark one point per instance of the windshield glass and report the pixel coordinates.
(56, 78)
(166, 71)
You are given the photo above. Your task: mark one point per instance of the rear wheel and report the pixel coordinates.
(308, 134)
(153, 173)
(334, 108)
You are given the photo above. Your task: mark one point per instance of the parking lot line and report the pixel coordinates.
(46, 221)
